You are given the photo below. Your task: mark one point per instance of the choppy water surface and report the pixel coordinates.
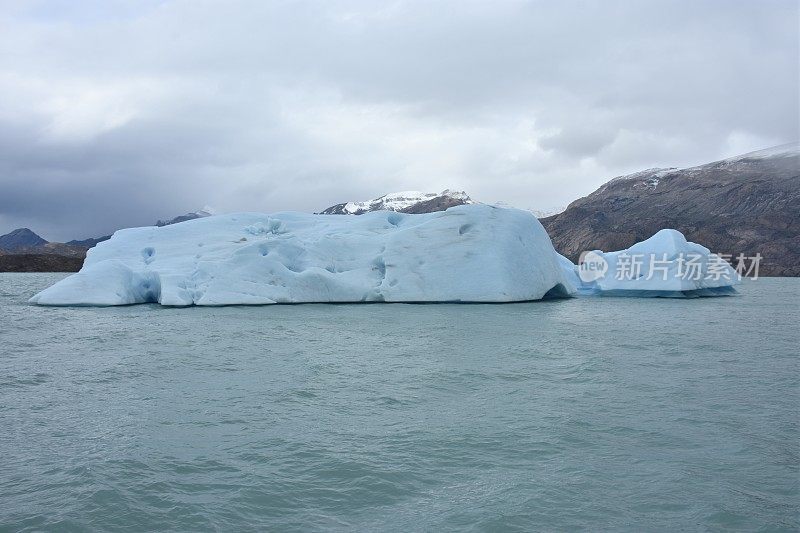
(589, 413)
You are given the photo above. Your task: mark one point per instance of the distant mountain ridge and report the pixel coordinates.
(91, 242)
(20, 238)
(23, 247)
(88, 243)
(745, 204)
(183, 218)
(403, 202)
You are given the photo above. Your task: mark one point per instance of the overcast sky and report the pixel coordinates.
(116, 113)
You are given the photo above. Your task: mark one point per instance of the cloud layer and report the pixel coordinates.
(119, 113)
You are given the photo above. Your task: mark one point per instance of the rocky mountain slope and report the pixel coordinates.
(403, 202)
(747, 204)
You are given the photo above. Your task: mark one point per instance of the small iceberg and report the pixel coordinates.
(665, 265)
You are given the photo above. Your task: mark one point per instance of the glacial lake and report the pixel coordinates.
(600, 413)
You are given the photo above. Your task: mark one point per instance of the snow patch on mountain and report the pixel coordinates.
(649, 178)
(399, 201)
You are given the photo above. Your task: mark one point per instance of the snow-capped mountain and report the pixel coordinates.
(403, 202)
(649, 178)
(744, 204)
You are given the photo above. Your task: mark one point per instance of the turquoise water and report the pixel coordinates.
(606, 413)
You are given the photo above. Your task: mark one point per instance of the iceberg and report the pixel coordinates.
(468, 253)
(665, 265)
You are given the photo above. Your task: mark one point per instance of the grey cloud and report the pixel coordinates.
(579, 142)
(114, 114)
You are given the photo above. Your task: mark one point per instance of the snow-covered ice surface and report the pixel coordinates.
(469, 253)
(665, 265)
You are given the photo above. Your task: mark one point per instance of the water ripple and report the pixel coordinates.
(579, 414)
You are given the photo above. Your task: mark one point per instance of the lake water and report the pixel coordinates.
(602, 414)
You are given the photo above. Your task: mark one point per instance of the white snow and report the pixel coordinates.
(654, 173)
(398, 201)
(652, 183)
(646, 173)
(666, 264)
(650, 178)
(469, 253)
(544, 213)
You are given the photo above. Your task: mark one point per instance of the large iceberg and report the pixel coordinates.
(665, 265)
(469, 253)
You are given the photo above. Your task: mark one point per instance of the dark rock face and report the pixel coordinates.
(749, 204)
(19, 239)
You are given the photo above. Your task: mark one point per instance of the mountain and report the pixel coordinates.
(19, 239)
(183, 218)
(91, 242)
(22, 250)
(403, 202)
(54, 248)
(747, 204)
(88, 243)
